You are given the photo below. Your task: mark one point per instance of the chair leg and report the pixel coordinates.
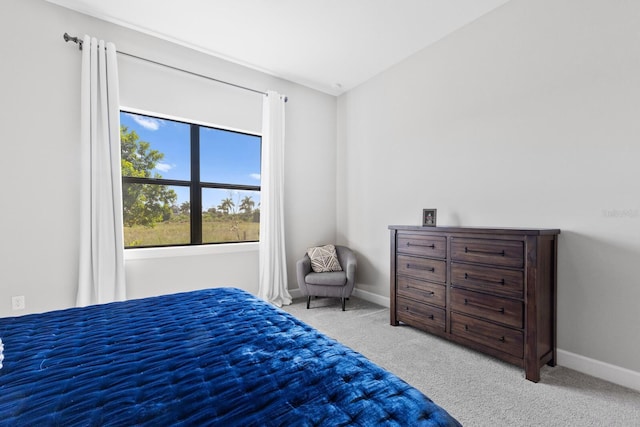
(308, 301)
(343, 302)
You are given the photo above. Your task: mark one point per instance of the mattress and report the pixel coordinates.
(210, 357)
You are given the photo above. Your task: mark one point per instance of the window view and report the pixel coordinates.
(187, 184)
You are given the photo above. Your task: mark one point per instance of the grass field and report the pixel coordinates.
(177, 233)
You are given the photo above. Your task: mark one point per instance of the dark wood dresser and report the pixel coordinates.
(490, 289)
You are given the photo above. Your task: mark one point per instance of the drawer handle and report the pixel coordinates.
(431, 317)
(467, 329)
(419, 267)
(432, 246)
(427, 293)
(486, 307)
(472, 251)
(477, 279)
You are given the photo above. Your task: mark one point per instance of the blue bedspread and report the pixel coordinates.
(210, 357)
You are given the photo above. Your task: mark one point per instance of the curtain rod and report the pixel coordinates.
(68, 38)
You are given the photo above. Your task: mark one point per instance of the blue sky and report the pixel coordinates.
(225, 157)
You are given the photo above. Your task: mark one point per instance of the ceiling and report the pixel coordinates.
(328, 45)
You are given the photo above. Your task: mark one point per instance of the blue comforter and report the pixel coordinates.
(210, 357)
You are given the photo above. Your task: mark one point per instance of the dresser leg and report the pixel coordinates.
(393, 321)
(532, 373)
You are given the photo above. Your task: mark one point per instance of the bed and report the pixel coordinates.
(210, 357)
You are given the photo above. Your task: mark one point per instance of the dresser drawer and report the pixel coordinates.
(414, 244)
(495, 280)
(430, 293)
(507, 311)
(498, 337)
(505, 253)
(422, 268)
(421, 315)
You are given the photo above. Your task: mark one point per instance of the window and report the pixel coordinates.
(187, 184)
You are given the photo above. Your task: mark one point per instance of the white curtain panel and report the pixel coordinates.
(273, 263)
(101, 270)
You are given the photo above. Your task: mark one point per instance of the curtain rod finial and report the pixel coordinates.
(68, 38)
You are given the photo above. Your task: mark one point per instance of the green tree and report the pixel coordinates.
(247, 204)
(226, 205)
(143, 204)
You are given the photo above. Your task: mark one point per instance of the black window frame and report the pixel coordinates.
(195, 184)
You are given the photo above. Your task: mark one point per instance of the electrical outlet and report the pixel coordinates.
(17, 303)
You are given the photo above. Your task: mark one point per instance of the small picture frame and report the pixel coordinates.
(429, 217)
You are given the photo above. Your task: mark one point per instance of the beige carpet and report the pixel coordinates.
(476, 389)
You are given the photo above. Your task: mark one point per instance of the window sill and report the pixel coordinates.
(178, 251)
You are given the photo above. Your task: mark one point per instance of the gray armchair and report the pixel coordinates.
(337, 284)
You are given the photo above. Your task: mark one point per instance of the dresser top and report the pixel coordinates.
(477, 230)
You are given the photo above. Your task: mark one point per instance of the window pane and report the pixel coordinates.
(230, 216)
(154, 148)
(157, 161)
(229, 157)
(155, 215)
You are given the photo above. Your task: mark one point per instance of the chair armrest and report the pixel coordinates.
(303, 267)
(350, 267)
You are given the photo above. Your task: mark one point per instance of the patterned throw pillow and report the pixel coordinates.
(324, 258)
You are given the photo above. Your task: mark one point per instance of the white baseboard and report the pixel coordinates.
(295, 293)
(367, 296)
(595, 368)
(371, 297)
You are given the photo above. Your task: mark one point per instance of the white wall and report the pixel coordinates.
(528, 117)
(39, 113)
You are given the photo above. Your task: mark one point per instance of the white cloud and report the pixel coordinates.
(148, 123)
(163, 167)
(255, 176)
